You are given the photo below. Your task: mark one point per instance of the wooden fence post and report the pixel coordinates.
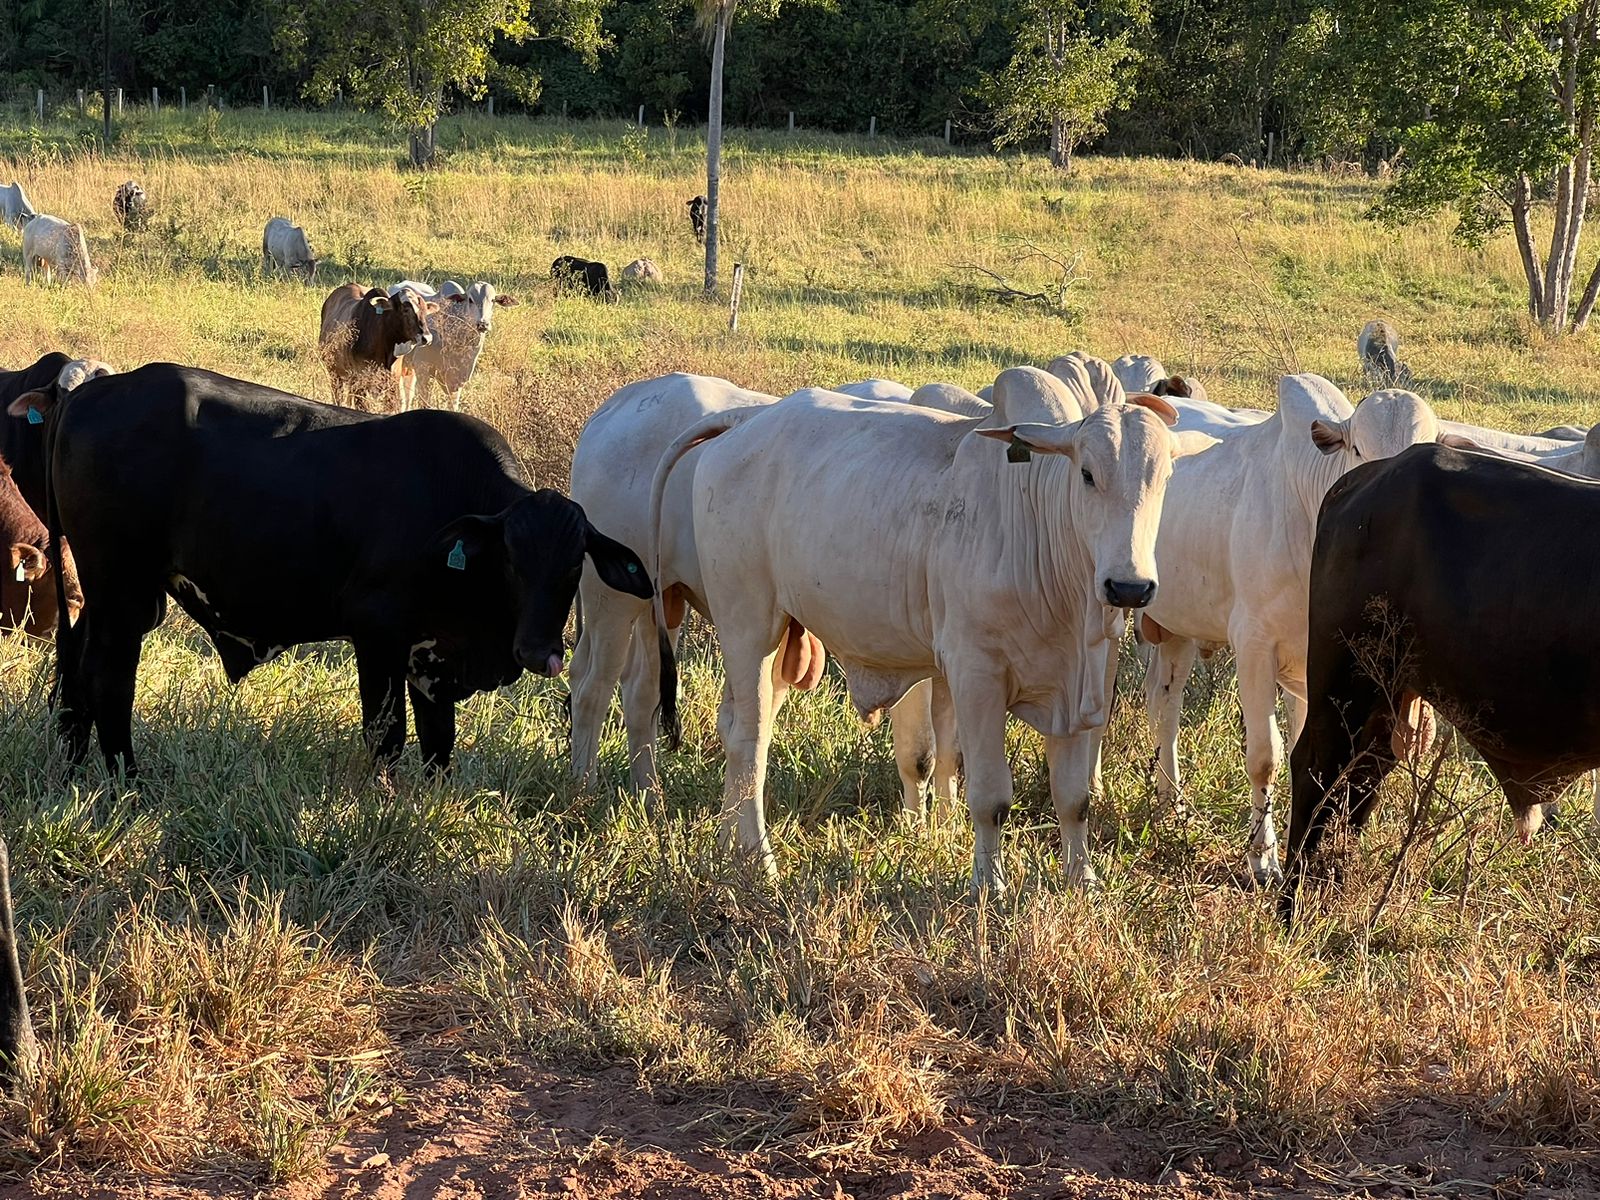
(738, 294)
(41, 106)
(641, 116)
(80, 102)
(119, 102)
(791, 122)
(264, 105)
(947, 131)
(155, 100)
(872, 128)
(183, 99)
(491, 106)
(1269, 146)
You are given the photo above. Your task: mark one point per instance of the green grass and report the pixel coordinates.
(228, 963)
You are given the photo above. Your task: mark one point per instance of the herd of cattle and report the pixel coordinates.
(962, 556)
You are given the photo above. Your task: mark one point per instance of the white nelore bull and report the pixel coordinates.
(1234, 558)
(56, 247)
(875, 389)
(914, 547)
(612, 467)
(1141, 373)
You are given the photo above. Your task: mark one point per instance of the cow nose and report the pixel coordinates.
(1130, 593)
(548, 660)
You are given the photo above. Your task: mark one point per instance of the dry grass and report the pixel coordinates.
(216, 960)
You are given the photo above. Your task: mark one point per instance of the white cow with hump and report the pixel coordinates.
(460, 326)
(914, 547)
(612, 468)
(1234, 557)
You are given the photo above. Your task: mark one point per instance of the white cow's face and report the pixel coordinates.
(1121, 459)
(1383, 425)
(1123, 455)
(476, 305)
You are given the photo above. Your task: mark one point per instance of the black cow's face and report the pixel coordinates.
(538, 546)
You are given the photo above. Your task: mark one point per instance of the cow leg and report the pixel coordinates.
(980, 705)
(75, 717)
(911, 727)
(1171, 664)
(111, 668)
(745, 725)
(436, 729)
(610, 628)
(946, 749)
(641, 698)
(1263, 748)
(381, 672)
(1074, 783)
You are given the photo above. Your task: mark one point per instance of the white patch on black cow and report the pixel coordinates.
(424, 668)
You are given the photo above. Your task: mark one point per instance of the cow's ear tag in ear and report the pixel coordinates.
(456, 560)
(22, 573)
(35, 417)
(1017, 452)
(633, 568)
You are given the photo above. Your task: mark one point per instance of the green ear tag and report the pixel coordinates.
(456, 560)
(633, 568)
(34, 416)
(1017, 452)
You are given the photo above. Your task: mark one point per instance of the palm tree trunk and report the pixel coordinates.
(714, 150)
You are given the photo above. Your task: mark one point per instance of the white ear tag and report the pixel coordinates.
(22, 573)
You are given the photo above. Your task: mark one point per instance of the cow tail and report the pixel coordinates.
(701, 431)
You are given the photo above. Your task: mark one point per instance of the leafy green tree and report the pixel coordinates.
(404, 56)
(1493, 104)
(1071, 67)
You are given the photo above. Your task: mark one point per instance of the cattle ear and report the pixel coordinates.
(1045, 439)
(381, 303)
(1156, 404)
(32, 406)
(618, 567)
(1330, 436)
(1191, 441)
(508, 301)
(1456, 442)
(28, 563)
(1177, 386)
(467, 542)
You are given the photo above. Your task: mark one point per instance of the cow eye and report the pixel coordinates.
(1088, 476)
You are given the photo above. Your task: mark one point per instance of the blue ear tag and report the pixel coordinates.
(456, 560)
(34, 416)
(633, 568)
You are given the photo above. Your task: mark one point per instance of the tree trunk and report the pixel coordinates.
(422, 145)
(714, 150)
(19, 1051)
(1060, 151)
(1580, 319)
(1520, 204)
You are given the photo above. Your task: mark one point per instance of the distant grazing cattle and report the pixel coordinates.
(462, 321)
(57, 248)
(28, 580)
(365, 336)
(284, 246)
(1379, 349)
(571, 273)
(131, 206)
(1232, 552)
(642, 270)
(1447, 578)
(875, 389)
(15, 207)
(998, 573)
(697, 217)
(274, 520)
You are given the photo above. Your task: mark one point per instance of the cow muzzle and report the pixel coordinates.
(1130, 593)
(549, 663)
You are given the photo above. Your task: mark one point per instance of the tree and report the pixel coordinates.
(1070, 68)
(714, 17)
(402, 56)
(1493, 105)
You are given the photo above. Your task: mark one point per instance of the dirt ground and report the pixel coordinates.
(521, 1132)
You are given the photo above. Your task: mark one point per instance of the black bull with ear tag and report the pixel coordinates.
(273, 520)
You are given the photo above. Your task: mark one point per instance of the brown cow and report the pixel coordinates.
(28, 585)
(365, 337)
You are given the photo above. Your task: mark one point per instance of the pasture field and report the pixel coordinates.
(268, 969)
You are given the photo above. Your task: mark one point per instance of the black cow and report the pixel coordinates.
(22, 439)
(1452, 577)
(273, 520)
(697, 218)
(571, 272)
